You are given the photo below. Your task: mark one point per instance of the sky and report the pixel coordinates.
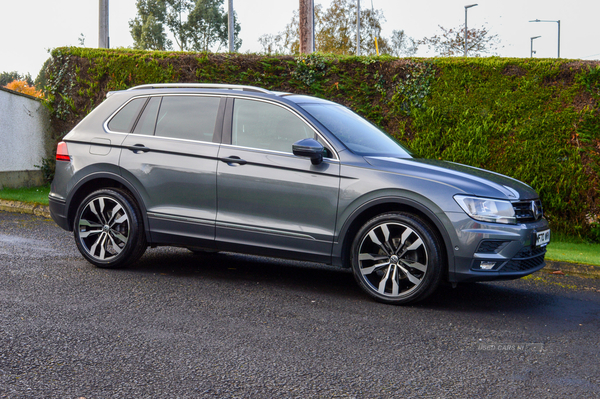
(37, 26)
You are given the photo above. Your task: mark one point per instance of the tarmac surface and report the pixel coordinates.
(233, 326)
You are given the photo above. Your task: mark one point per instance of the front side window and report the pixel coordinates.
(359, 135)
(257, 124)
(187, 117)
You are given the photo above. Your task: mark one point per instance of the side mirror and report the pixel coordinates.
(310, 148)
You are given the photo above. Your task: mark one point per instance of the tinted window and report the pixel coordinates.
(124, 119)
(187, 117)
(145, 124)
(359, 135)
(257, 124)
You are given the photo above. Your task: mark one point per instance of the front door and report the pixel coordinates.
(269, 201)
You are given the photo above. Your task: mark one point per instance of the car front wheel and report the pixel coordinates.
(396, 258)
(108, 229)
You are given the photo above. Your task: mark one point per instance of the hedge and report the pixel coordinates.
(537, 120)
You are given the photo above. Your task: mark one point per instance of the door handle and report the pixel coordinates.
(233, 160)
(139, 148)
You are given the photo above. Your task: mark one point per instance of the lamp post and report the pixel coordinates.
(532, 39)
(466, 8)
(540, 20)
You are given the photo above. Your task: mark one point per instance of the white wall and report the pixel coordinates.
(24, 124)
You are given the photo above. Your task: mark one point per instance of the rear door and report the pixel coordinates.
(171, 156)
(269, 201)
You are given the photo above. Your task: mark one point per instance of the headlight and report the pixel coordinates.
(487, 210)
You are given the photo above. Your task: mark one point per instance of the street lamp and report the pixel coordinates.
(532, 39)
(538, 20)
(466, 8)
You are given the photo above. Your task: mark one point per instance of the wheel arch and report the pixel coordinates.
(97, 181)
(390, 204)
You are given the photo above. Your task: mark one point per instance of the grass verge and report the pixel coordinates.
(584, 253)
(560, 249)
(37, 195)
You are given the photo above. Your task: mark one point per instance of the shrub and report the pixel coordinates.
(23, 87)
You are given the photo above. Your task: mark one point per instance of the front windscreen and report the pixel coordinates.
(360, 136)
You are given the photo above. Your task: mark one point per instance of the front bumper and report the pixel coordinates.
(491, 251)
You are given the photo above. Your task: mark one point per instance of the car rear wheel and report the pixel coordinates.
(108, 229)
(396, 258)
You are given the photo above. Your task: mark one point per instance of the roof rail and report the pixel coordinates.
(201, 86)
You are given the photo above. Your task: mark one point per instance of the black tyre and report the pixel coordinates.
(396, 258)
(108, 229)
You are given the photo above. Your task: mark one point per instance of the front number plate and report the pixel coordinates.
(542, 238)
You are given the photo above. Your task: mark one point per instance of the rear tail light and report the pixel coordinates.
(62, 154)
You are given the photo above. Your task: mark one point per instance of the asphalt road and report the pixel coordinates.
(178, 325)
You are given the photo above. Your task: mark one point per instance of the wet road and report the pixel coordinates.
(233, 326)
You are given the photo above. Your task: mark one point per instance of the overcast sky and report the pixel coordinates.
(38, 25)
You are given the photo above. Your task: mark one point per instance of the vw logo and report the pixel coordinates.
(536, 210)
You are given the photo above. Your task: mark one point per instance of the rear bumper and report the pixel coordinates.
(58, 211)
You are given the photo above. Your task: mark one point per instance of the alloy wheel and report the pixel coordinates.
(103, 228)
(393, 259)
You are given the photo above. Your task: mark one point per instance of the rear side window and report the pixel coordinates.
(187, 117)
(124, 120)
(146, 122)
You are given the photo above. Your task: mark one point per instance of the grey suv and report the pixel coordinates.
(244, 169)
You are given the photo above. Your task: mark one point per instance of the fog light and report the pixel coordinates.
(487, 265)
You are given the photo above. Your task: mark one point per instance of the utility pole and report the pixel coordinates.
(103, 39)
(306, 26)
(231, 28)
(357, 27)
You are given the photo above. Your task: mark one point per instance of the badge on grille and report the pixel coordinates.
(535, 210)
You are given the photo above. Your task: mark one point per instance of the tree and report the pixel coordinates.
(343, 32)
(207, 25)
(451, 42)
(272, 44)
(7, 77)
(335, 31)
(196, 25)
(287, 41)
(147, 29)
(22, 86)
(175, 21)
(402, 45)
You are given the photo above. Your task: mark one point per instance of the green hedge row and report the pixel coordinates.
(536, 120)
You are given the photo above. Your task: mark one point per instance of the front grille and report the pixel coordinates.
(528, 211)
(526, 259)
